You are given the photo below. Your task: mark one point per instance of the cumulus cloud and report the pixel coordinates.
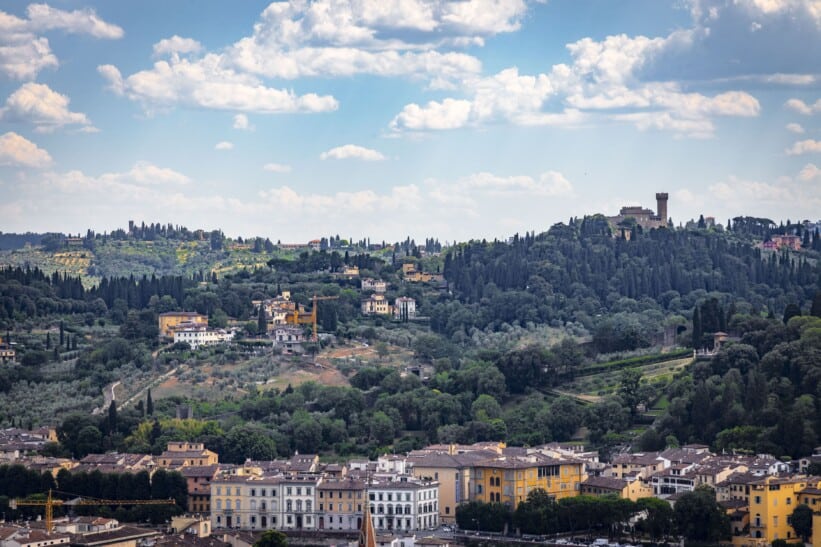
(206, 83)
(24, 60)
(801, 107)
(352, 151)
(24, 52)
(84, 21)
(224, 145)
(176, 45)
(808, 146)
(603, 77)
(241, 122)
(795, 128)
(293, 39)
(277, 168)
(43, 107)
(17, 151)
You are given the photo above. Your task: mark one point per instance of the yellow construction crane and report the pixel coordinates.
(50, 502)
(313, 312)
(295, 318)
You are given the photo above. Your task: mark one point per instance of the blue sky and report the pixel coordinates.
(385, 118)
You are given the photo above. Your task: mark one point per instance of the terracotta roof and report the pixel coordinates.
(112, 536)
(610, 483)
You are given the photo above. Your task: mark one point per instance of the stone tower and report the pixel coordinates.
(661, 206)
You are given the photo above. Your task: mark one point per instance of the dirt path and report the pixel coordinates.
(108, 396)
(154, 381)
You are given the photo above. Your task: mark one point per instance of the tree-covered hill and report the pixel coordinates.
(578, 272)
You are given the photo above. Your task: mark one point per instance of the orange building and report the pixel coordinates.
(170, 320)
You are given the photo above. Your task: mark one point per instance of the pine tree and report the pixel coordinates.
(62, 334)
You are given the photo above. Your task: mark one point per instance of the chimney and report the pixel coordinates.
(661, 206)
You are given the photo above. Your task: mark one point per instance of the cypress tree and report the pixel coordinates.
(262, 323)
(696, 328)
(112, 417)
(62, 334)
(149, 404)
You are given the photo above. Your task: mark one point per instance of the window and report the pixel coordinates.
(253, 492)
(298, 490)
(758, 499)
(288, 490)
(262, 492)
(219, 490)
(219, 505)
(789, 501)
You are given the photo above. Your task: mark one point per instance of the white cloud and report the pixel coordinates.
(24, 53)
(24, 60)
(809, 172)
(785, 198)
(224, 145)
(549, 184)
(277, 168)
(323, 38)
(85, 21)
(602, 77)
(352, 151)
(795, 128)
(206, 83)
(17, 151)
(808, 146)
(146, 173)
(801, 107)
(176, 45)
(38, 104)
(241, 122)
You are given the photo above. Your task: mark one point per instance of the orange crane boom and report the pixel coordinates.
(50, 502)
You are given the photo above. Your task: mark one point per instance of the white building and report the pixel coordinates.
(246, 501)
(404, 504)
(377, 304)
(374, 285)
(299, 502)
(289, 338)
(404, 308)
(196, 335)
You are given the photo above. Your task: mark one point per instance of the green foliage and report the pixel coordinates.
(801, 521)
(272, 538)
(700, 518)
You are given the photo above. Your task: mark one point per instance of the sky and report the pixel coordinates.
(458, 120)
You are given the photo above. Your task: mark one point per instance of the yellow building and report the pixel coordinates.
(184, 454)
(631, 489)
(772, 501)
(169, 320)
(509, 479)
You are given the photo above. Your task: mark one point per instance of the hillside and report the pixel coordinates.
(568, 334)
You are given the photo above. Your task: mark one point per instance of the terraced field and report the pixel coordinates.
(591, 389)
